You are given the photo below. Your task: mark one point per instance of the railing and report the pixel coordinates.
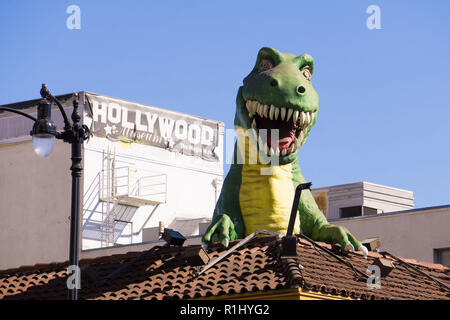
(129, 182)
(150, 186)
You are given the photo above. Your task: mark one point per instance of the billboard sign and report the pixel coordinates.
(132, 122)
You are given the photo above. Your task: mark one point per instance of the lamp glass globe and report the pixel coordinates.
(43, 145)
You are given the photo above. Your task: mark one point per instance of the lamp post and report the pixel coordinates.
(43, 135)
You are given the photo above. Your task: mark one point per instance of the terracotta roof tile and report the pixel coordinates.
(256, 266)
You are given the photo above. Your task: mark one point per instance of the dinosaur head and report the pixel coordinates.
(278, 95)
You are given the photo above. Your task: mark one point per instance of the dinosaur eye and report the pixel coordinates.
(265, 64)
(306, 73)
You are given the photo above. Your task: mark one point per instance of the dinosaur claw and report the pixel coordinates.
(204, 245)
(225, 242)
(364, 251)
(349, 247)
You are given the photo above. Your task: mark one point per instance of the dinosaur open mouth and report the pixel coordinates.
(289, 123)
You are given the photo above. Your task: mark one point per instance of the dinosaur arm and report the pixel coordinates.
(313, 222)
(315, 225)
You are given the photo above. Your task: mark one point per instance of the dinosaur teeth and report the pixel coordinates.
(254, 107)
(292, 148)
(302, 118)
(306, 118)
(264, 147)
(289, 114)
(251, 107)
(271, 112)
(266, 111)
(275, 113)
(295, 116)
(283, 113)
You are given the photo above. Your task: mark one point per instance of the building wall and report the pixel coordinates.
(191, 192)
(148, 146)
(383, 198)
(35, 198)
(410, 234)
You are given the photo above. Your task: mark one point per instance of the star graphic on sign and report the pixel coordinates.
(108, 129)
(114, 129)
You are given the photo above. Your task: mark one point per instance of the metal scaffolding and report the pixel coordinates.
(122, 190)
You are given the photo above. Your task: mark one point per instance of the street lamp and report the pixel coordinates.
(44, 130)
(43, 135)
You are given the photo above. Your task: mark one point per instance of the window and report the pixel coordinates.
(442, 256)
(369, 211)
(357, 211)
(350, 212)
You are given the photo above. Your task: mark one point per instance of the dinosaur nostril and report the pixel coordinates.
(274, 83)
(301, 89)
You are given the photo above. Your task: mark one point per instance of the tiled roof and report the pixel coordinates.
(255, 267)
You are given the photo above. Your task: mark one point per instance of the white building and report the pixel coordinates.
(361, 199)
(370, 210)
(143, 166)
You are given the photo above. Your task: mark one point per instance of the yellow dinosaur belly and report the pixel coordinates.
(266, 200)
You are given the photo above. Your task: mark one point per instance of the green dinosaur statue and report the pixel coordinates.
(275, 110)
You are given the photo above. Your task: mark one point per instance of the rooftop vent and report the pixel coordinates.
(385, 265)
(372, 244)
(196, 256)
(289, 242)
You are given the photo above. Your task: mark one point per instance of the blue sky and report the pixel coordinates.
(384, 110)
